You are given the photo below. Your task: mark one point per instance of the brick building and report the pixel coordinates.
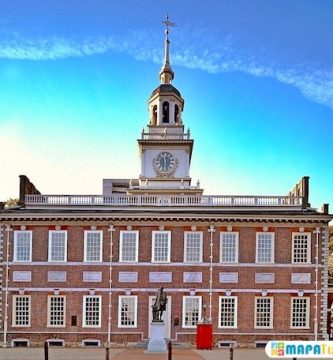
(84, 269)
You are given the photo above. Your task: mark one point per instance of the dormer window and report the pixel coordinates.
(165, 112)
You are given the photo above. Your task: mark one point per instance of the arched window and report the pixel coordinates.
(176, 114)
(165, 112)
(154, 118)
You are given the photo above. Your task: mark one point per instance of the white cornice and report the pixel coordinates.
(199, 216)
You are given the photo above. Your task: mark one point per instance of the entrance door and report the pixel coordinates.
(166, 317)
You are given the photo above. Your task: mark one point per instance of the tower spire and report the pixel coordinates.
(166, 73)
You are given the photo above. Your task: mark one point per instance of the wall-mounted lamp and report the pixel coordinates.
(192, 292)
(300, 292)
(128, 291)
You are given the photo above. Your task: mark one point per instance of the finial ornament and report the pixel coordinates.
(168, 23)
(166, 73)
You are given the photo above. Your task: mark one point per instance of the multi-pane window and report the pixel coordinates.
(300, 307)
(161, 246)
(229, 247)
(265, 247)
(191, 311)
(228, 312)
(263, 312)
(93, 241)
(92, 311)
(56, 311)
(22, 245)
(301, 248)
(21, 310)
(193, 246)
(127, 311)
(57, 245)
(128, 251)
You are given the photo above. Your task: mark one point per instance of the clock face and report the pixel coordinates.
(165, 161)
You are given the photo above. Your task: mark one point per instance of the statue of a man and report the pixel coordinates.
(159, 306)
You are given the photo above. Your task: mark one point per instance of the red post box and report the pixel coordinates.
(204, 336)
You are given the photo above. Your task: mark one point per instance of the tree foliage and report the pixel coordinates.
(12, 203)
(330, 246)
(330, 240)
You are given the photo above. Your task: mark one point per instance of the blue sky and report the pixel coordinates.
(256, 76)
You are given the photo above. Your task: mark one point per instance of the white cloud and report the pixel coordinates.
(56, 166)
(198, 49)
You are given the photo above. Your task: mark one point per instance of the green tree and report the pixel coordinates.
(330, 246)
(12, 203)
(330, 240)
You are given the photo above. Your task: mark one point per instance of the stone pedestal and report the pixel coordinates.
(157, 344)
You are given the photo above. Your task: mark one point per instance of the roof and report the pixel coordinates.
(166, 88)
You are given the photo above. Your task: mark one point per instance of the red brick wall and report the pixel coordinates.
(247, 251)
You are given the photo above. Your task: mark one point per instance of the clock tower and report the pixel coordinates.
(165, 148)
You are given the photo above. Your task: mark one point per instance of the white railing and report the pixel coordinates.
(165, 136)
(164, 200)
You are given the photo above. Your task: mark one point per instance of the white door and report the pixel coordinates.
(166, 317)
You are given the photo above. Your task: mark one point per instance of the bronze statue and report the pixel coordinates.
(159, 306)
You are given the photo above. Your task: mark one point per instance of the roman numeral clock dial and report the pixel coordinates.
(165, 164)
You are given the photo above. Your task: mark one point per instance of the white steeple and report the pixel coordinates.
(166, 73)
(166, 103)
(165, 148)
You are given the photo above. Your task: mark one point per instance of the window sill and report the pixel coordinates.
(300, 327)
(264, 327)
(92, 326)
(127, 326)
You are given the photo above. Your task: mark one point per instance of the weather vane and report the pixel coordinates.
(168, 23)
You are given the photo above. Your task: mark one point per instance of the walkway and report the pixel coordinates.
(127, 354)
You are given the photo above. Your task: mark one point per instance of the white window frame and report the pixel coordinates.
(86, 232)
(153, 246)
(49, 311)
(13, 341)
(84, 343)
(307, 300)
(59, 341)
(308, 255)
(15, 245)
(121, 297)
(186, 245)
(271, 314)
(15, 297)
(185, 298)
(272, 249)
(235, 311)
(122, 233)
(51, 232)
(84, 315)
(222, 233)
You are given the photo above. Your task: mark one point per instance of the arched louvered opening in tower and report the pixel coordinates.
(165, 112)
(177, 117)
(154, 115)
